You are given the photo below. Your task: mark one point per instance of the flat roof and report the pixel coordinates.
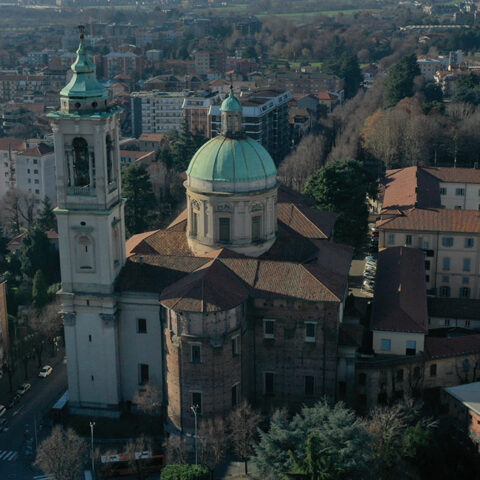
(468, 394)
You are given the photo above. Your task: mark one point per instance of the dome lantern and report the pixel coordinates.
(232, 116)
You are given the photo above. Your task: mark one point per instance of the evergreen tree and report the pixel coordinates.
(185, 144)
(39, 290)
(36, 253)
(399, 83)
(141, 201)
(46, 219)
(326, 441)
(342, 187)
(347, 67)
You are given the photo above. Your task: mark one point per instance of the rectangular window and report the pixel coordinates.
(464, 292)
(235, 395)
(427, 264)
(268, 383)
(445, 279)
(197, 401)
(443, 191)
(235, 345)
(466, 264)
(143, 374)
(309, 385)
(458, 207)
(427, 278)
(411, 347)
(460, 192)
(268, 329)
(391, 238)
(256, 228)
(224, 229)
(408, 239)
(141, 325)
(466, 280)
(196, 355)
(444, 291)
(469, 243)
(310, 332)
(400, 375)
(447, 241)
(433, 370)
(446, 263)
(386, 344)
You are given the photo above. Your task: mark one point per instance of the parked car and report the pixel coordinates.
(45, 371)
(14, 401)
(2, 410)
(23, 388)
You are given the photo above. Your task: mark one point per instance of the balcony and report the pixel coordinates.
(86, 190)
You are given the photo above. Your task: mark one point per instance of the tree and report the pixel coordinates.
(176, 450)
(46, 220)
(327, 440)
(185, 144)
(399, 83)
(342, 187)
(36, 253)
(39, 290)
(17, 211)
(347, 67)
(212, 441)
(149, 399)
(244, 422)
(141, 200)
(184, 472)
(134, 451)
(61, 454)
(45, 324)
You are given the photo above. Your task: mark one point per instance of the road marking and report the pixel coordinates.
(8, 455)
(43, 477)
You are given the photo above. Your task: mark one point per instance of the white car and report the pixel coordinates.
(23, 388)
(45, 371)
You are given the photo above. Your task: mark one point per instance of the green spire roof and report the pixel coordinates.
(231, 103)
(84, 83)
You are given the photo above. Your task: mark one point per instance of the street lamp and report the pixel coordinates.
(92, 424)
(194, 409)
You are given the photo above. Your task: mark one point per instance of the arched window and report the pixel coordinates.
(85, 255)
(109, 145)
(81, 164)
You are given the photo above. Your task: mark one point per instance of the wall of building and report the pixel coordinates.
(398, 341)
(460, 195)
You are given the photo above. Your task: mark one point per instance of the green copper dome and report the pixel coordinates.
(84, 83)
(231, 104)
(233, 161)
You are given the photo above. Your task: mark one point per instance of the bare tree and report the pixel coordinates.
(17, 210)
(139, 454)
(244, 422)
(61, 454)
(149, 399)
(176, 450)
(213, 442)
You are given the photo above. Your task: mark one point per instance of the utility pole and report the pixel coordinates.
(35, 427)
(195, 411)
(92, 424)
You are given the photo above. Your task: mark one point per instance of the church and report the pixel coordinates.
(240, 298)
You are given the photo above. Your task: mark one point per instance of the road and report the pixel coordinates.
(14, 463)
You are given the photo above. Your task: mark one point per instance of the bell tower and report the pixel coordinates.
(90, 215)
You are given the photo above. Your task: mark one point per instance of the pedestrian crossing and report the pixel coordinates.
(43, 477)
(8, 455)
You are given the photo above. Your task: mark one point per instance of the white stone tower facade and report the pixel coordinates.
(90, 217)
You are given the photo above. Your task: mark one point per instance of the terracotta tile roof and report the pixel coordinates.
(135, 244)
(180, 222)
(16, 144)
(210, 288)
(38, 150)
(409, 187)
(400, 301)
(441, 347)
(295, 212)
(455, 175)
(434, 220)
(465, 308)
(133, 153)
(152, 137)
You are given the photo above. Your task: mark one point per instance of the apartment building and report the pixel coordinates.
(9, 149)
(196, 108)
(127, 63)
(156, 112)
(207, 61)
(265, 119)
(35, 173)
(12, 85)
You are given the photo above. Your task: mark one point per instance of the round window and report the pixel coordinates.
(78, 105)
(94, 104)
